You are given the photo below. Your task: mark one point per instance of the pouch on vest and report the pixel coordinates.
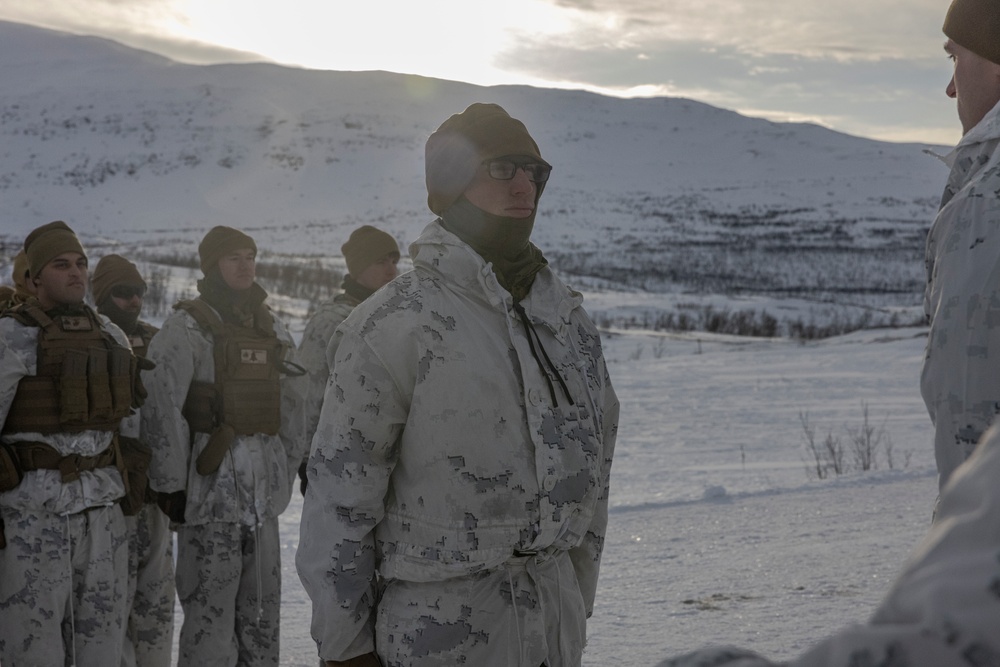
(201, 407)
(73, 405)
(99, 385)
(10, 471)
(77, 365)
(139, 393)
(135, 456)
(122, 368)
(215, 450)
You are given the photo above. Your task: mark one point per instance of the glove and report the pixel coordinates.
(173, 505)
(366, 660)
(304, 480)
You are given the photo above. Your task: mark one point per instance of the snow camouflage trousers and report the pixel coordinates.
(229, 585)
(471, 621)
(150, 623)
(62, 587)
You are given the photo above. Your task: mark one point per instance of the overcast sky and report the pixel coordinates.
(873, 68)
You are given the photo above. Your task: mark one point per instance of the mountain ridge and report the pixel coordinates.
(661, 194)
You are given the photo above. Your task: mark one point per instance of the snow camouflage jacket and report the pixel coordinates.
(316, 355)
(43, 489)
(439, 451)
(944, 610)
(961, 375)
(254, 481)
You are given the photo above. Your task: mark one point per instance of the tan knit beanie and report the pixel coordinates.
(47, 242)
(114, 270)
(975, 24)
(455, 150)
(366, 246)
(219, 242)
(20, 274)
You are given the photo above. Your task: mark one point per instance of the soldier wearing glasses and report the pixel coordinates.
(118, 290)
(458, 484)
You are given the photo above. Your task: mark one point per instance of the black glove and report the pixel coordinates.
(366, 660)
(304, 480)
(173, 505)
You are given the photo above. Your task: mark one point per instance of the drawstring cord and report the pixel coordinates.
(258, 577)
(260, 585)
(517, 620)
(72, 604)
(562, 635)
(532, 334)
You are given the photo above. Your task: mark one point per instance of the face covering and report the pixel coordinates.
(501, 241)
(125, 320)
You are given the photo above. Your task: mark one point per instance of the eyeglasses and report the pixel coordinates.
(127, 291)
(504, 168)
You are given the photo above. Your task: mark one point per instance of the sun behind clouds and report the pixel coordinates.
(451, 39)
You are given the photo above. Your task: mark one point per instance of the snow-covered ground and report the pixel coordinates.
(717, 532)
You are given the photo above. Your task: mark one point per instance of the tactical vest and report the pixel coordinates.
(246, 393)
(140, 337)
(84, 377)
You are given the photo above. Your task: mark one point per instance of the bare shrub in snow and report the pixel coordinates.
(827, 456)
(867, 445)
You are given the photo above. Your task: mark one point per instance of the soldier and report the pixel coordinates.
(225, 450)
(960, 381)
(458, 480)
(22, 289)
(118, 290)
(66, 384)
(372, 256)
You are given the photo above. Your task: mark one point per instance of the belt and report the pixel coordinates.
(33, 455)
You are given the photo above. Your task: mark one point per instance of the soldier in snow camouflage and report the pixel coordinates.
(371, 256)
(944, 609)
(458, 482)
(66, 379)
(222, 423)
(118, 290)
(961, 375)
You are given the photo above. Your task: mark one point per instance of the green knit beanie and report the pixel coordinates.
(366, 246)
(113, 270)
(219, 242)
(47, 242)
(975, 24)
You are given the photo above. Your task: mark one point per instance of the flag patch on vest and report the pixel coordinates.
(76, 323)
(253, 356)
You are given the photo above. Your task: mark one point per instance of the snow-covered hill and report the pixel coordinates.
(666, 195)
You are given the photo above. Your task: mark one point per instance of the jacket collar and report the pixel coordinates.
(987, 129)
(442, 253)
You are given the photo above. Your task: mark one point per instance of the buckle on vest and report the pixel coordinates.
(69, 467)
(525, 553)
